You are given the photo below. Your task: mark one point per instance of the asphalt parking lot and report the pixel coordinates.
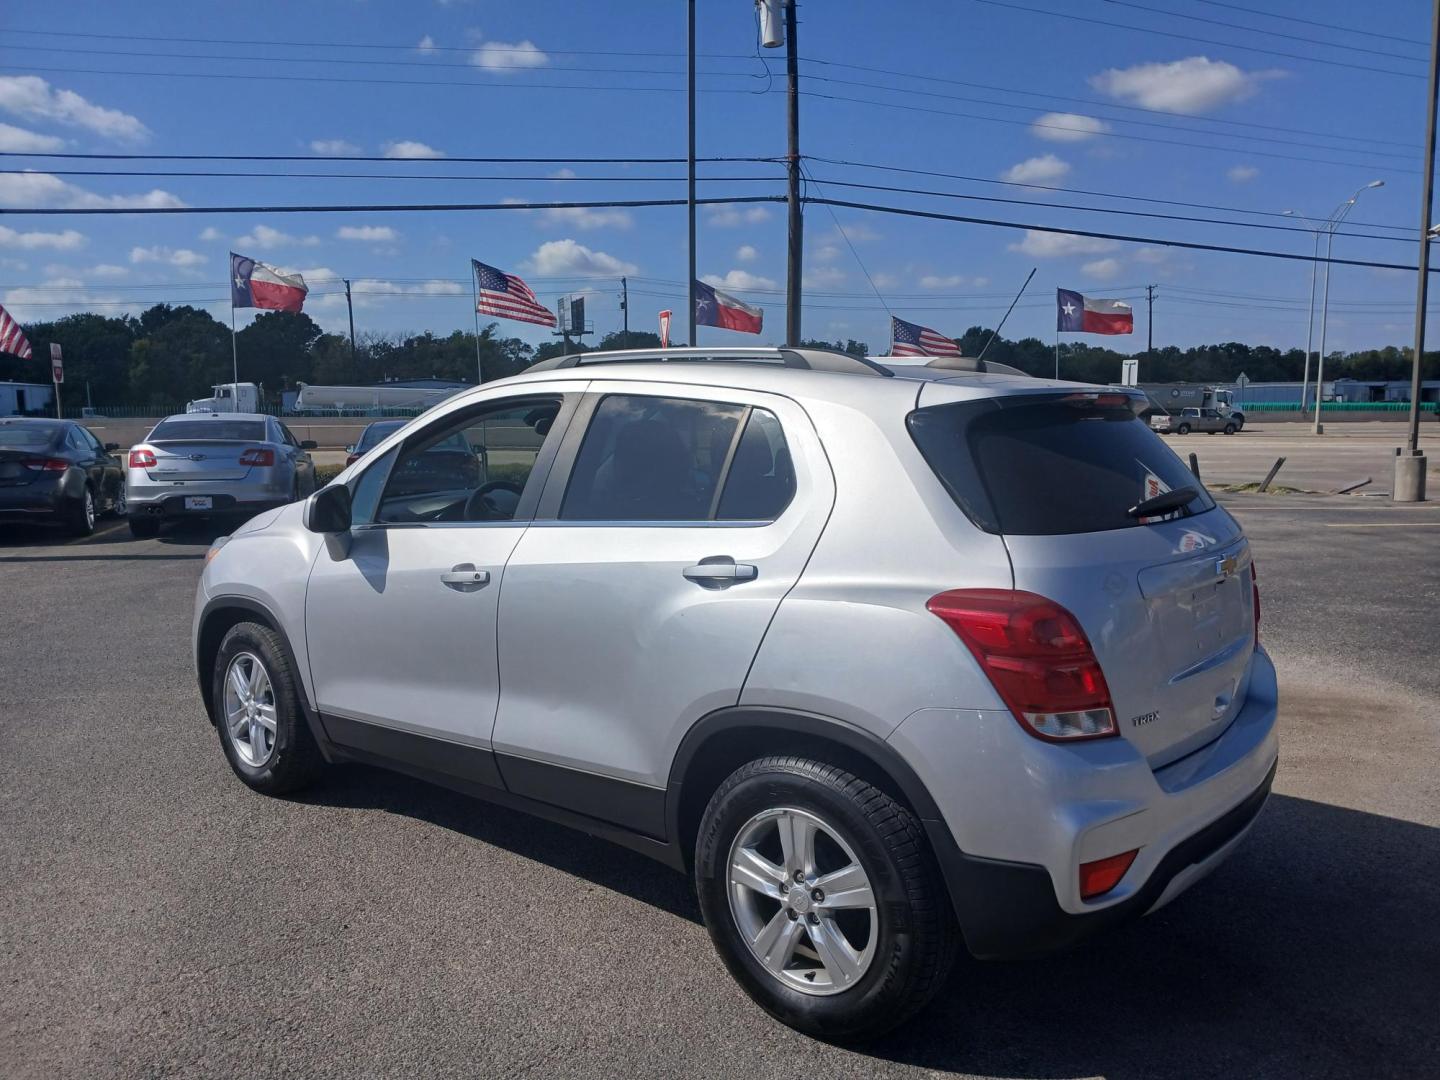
(157, 918)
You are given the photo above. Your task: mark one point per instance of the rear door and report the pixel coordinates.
(1166, 600)
(675, 521)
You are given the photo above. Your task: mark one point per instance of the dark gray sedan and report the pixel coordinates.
(56, 471)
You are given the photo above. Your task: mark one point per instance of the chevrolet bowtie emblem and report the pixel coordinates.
(1227, 566)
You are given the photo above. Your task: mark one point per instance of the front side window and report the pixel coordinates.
(473, 467)
(674, 459)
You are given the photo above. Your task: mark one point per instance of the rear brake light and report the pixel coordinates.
(1255, 596)
(1036, 656)
(350, 459)
(142, 459)
(257, 457)
(1102, 875)
(46, 464)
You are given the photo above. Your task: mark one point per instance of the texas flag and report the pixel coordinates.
(1077, 315)
(258, 285)
(715, 308)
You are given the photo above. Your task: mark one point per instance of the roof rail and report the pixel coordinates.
(802, 359)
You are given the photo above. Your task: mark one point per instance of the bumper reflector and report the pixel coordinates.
(1102, 875)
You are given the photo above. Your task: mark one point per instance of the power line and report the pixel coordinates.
(389, 208)
(172, 174)
(846, 237)
(1191, 39)
(1287, 17)
(1271, 33)
(391, 160)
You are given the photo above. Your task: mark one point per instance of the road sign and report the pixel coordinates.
(57, 366)
(1242, 380)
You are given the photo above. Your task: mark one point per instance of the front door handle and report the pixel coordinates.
(719, 572)
(464, 575)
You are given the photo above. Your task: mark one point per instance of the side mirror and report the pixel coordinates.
(111, 446)
(328, 510)
(351, 448)
(309, 444)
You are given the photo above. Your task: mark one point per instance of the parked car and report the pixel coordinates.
(1206, 420)
(56, 471)
(450, 463)
(891, 661)
(202, 465)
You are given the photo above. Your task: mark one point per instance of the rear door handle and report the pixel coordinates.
(720, 573)
(465, 574)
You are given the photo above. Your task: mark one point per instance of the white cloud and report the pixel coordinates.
(563, 174)
(1037, 170)
(1151, 256)
(32, 98)
(1102, 269)
(42, 189)
(1049, 245)
(107, 270)
(951, 281)
(823, 277)
(266, 238)
(746, 253)
(409, 148)
(210, 234)
(53, 298)
(729, 215)
(826, 253)
(738, 279)
(1196, 84)
(885, 281)
(179, 257)
(584, 217)
(856, 233)
(1241, 174)
(68, 240)
(333, 147)
(567, 258)
(1067, 127)
(502, 58)
(16, 140)
(425, 45)
(372, 234)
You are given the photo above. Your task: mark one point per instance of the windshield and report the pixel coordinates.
(1050, 467)
(373, 434)
(27, 436)
(226, 430)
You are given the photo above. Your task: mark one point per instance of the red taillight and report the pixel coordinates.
(350, 459)
(1102, 875)
(1037, 657)
(1255, 596)
(142, 459)
(46, 464)
(256, 456)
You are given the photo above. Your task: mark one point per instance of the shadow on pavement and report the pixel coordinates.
(1313, 952)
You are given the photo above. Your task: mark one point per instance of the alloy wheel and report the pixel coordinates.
(250, 709)
(89, 509)
(802, 901)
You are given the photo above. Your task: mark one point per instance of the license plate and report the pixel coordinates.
(198, 502)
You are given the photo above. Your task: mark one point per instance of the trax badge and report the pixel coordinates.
(1145, 718)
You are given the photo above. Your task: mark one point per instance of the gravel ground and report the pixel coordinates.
(158, 919)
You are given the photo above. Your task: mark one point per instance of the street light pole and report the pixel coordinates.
(1341, 213)
(690, 160)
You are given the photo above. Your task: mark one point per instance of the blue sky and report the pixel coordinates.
(1008, 95)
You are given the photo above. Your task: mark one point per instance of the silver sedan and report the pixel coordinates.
(214, 464)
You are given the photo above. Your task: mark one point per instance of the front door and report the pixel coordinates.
(636, 601)
(400, 621)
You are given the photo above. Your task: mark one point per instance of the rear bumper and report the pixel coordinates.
(30, 502)
(172, 507)
(1020, 816)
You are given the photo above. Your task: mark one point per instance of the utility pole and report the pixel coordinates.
(351, 308)
(1410, 469)
(795, 253)
(1150, 323)
(690, 160)
(625, 308)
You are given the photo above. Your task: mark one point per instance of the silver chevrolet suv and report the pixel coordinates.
(891, 660)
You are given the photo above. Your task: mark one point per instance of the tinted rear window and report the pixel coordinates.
(26, 436)
(376, 433)
(230, 430)
(1048, 468)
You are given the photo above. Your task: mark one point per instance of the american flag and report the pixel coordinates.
(911, 339)
(12, 338)
(506, 296)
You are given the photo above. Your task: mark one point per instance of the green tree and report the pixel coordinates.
(275, 349)
(181, 359)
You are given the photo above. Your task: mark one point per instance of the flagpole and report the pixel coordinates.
(1057, 352)
(690, 163)
(234, 348)
(475, 310)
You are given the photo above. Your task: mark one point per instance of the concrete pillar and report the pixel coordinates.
(1409, 478)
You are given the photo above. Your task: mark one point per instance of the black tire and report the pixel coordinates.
(917, 936)
(144, 526)
(1230, 429)
(1183, 429)
(80, 514)
(295, 761)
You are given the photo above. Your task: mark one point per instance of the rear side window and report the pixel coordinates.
(1048, 468)
(761, 480)
(228, 430)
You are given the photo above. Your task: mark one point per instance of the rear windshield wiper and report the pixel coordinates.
(1163, 503)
